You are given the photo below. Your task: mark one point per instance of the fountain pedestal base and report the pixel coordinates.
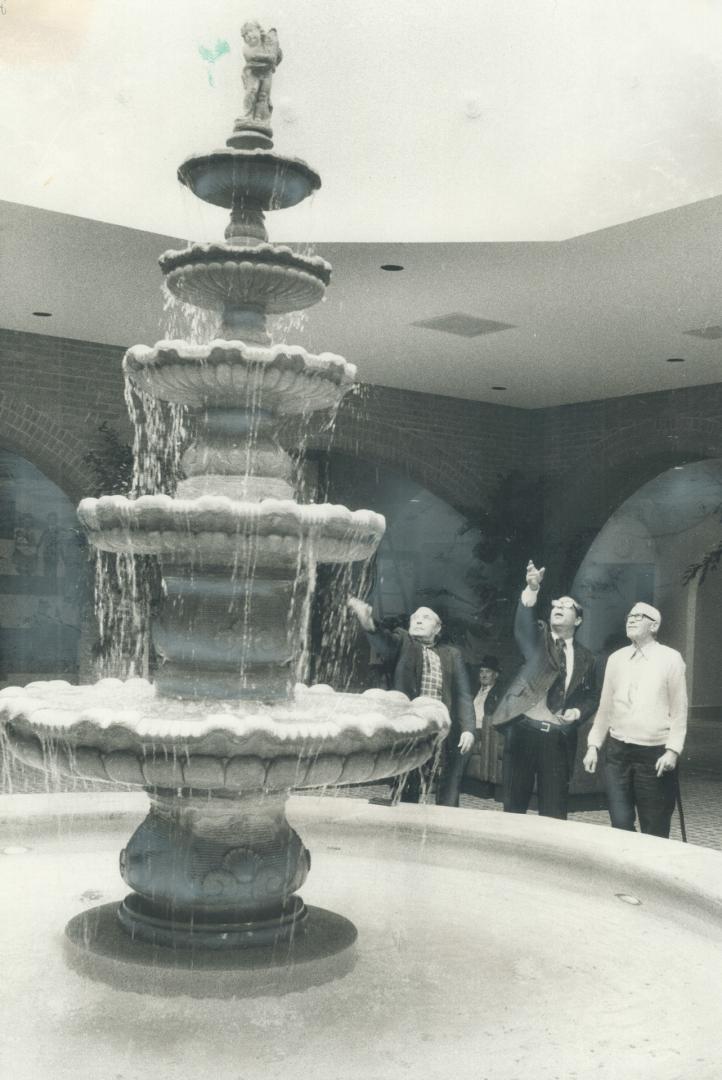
(170, 929)
(215, 872)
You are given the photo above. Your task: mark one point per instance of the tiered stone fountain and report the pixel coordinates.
(224, 733)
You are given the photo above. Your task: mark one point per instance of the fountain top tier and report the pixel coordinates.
(248, 278)
(237, 552)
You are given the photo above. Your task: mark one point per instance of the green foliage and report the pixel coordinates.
(112, 462)
(709, 562)
(511, 529)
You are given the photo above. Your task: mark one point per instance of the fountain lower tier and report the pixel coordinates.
(126, 732)
(216, 864)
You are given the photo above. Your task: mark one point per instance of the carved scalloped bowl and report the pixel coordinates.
(267, 180)
(241, 280)
(124, 732)
(216, 530)
(284, 379)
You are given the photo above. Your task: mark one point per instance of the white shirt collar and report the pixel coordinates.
(644, 651)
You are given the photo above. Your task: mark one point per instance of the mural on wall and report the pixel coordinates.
(42, 574)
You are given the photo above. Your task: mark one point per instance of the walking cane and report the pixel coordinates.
(678, 799)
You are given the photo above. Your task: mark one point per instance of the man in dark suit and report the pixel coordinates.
(548, 699)
(421, 667)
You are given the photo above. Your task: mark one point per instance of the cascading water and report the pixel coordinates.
(223, 734)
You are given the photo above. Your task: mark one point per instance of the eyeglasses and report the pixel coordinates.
(566, 604)
(635, 616)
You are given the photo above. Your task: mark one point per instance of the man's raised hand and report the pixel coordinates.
(534, 577)
(363, 612)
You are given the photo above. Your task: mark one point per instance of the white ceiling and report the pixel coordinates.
(593, 317)
(441, 120)
(466, 140)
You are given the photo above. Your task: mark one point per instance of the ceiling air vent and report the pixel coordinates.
(709, 333)
(463, 325)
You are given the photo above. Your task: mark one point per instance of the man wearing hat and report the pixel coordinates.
(486, 698)
(643, 716)
(543, 706)
(485, 701)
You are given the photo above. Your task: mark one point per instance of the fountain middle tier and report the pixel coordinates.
(238, 581)
(214, 530)
(283, 379)
(269, 277)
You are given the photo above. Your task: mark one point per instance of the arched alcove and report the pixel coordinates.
(426, 556)
(642, 553)
(40, 438)
(43, 575)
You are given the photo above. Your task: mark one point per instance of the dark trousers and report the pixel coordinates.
(448, 771)
(632, 784)
(544, 756)
(456, 771)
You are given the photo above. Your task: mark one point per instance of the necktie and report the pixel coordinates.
(557, 691)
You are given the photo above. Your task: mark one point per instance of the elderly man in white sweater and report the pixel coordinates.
(643, 715)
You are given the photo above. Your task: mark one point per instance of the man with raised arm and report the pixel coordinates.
(643, 716)
(551, 695)
(421, 667)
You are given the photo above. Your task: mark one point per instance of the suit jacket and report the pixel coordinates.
(539, 671)
(399, 646)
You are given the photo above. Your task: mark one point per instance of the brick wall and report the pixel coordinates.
(54, 393)
(455, 448)
(598, 453)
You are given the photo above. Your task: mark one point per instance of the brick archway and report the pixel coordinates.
(425, 460)
(619, 463)
(37, 436)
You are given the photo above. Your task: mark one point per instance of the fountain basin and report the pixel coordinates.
(287, 379)
(217, 530)
(496, 943)
(257, 178)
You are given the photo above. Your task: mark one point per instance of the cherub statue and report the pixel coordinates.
(262, 54)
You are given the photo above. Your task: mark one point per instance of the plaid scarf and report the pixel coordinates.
(431, 675)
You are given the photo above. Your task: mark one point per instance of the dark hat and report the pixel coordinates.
(491, 662)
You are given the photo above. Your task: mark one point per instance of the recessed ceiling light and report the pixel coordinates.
(43, 314)
(391, 266)
(675, 360)
(498, 388)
